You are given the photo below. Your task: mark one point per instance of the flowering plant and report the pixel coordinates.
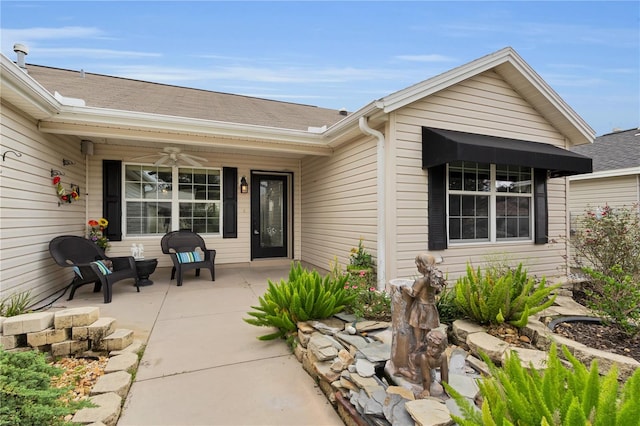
(63, 195)
(369, 303)
(359, 258)
(97, 234)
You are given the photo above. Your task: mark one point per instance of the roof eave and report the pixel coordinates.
(607, 174)
(24, 92)
(109, 123)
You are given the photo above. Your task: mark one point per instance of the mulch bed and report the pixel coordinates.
(600, 336)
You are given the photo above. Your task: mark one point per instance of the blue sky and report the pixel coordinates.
(339, 54)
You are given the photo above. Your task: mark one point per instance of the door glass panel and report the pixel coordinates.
(272, 213)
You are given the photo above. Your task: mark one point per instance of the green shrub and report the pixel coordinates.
(606, 237)
(617, 298)
(369, 303)
(27, 397)
(448, 309)
(305, 296)
(360, 258)
(561, 395)
(15, 304)
(494, 298)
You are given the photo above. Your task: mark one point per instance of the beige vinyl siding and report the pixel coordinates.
(616, 191)
(483, 104)
(29, 212)
(229, 250)
(339, 203)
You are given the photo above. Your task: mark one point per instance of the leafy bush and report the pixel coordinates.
(305, 296)
(617, 298)
(606, 237)
(26, 393)
(360, 258)
(448, 310)
(561, 395)
(15, 304)
(369, 303)
(493, 298)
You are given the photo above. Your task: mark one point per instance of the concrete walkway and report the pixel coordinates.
(203, 365)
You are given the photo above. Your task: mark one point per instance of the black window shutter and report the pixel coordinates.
(541, 226)
(437, 208)
(112, 198)
(230, 202)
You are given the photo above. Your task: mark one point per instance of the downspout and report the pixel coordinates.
(382, 255)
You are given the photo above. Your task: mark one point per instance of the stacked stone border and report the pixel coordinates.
(80, 332)
(346, 365)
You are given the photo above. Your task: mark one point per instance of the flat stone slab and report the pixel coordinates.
(125, 362)
(429, 412)
(529, 357)
(462, 328)
(490, 345)
(106, 412)
(117, 383)
(322, 347)
(364, 326)
(626, 365)
(465, 385)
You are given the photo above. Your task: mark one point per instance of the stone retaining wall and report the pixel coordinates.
(80, 332)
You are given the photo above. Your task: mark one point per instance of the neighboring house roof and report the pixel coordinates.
(125, 94)
(613, 151)
(118, 108)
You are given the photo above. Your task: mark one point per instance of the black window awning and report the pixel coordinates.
(445, 146)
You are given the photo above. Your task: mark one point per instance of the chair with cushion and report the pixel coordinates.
(91, 265)
(182, 247)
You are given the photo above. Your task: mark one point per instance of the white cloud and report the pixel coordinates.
(44, 33)
(94, 53)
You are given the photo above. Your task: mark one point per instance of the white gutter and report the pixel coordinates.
(382, 242)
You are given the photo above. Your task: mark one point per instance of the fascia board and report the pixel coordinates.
(24, 92)
(607, 174)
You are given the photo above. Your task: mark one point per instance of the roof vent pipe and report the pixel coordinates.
(22, 51)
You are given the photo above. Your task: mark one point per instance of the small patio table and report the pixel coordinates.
(145, 268)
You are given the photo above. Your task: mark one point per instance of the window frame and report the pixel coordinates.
(175, 199)
(492, 194)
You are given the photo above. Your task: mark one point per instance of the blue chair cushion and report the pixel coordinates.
(102, 267)
(189, 257)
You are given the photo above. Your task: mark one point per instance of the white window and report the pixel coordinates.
(488, 202)
(154, 206)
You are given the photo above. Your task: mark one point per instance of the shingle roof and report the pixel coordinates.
(617, 150)
(141, 96)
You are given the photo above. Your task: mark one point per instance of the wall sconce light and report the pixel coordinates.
(66, 162)
(244, 186)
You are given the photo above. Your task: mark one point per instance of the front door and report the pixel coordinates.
(269, 215)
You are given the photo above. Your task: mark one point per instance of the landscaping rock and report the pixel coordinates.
(429, 412)
(107, 410)
(117, 383)
(126, 362)
(490, 345)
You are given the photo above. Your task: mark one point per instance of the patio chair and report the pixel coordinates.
(181, 246)
(91, 265)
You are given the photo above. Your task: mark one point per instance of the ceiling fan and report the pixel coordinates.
(172, 156)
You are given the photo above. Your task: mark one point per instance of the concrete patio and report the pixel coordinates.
(202, 364)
